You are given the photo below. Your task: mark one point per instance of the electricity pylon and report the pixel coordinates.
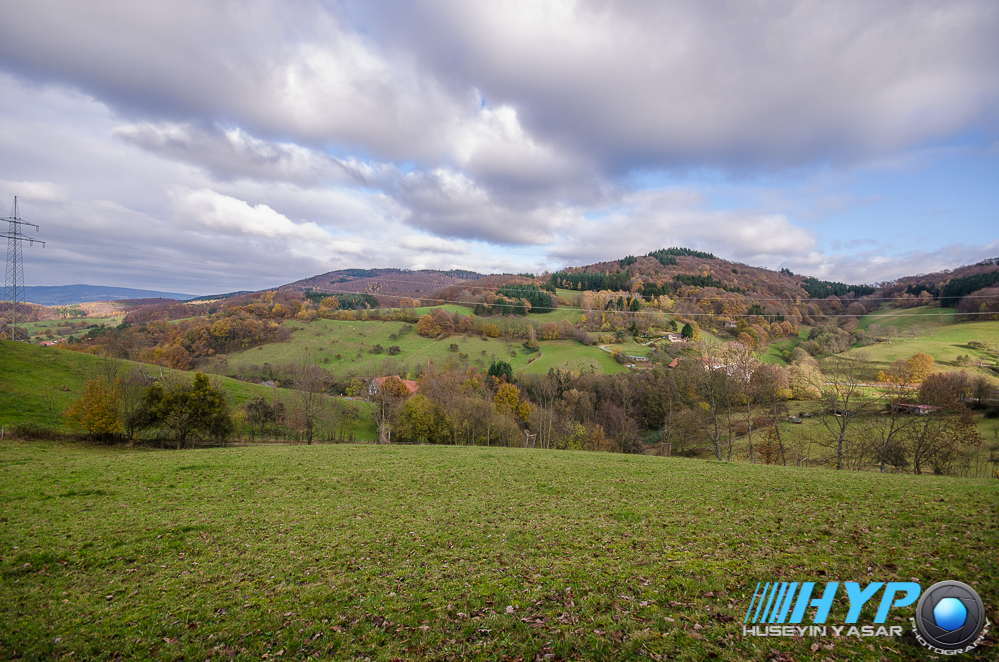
(13, 282)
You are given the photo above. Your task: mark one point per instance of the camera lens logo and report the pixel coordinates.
(950, 614)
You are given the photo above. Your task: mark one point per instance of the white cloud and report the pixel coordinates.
(650, 220)
(41, 191)
(880, 265)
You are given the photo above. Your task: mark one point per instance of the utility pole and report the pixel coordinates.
(13, 284)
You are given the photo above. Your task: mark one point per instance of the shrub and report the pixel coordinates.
(33, 432)
(491, 330)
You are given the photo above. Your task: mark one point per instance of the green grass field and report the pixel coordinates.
(569, 354)
(925, 316)
(943, 341)
(352, 341)
(387, 552)
(36, 330)
(37, 384)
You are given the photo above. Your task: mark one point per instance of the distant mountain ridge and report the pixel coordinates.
(65, 295)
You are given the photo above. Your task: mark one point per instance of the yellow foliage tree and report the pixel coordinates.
(97, 409)
(920, 366)
(507, 398)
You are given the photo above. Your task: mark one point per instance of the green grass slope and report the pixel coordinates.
(941, 337)
(324, 340)
(380, 552)
(37, 384)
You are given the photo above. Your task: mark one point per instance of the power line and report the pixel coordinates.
(466, 284)
(432, 302)
(13, 285)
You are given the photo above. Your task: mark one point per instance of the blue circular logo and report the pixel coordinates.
(950, 615)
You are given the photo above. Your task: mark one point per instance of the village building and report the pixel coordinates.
(377, 382)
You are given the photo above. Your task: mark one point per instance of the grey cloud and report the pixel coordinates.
(733, 85)
(233, 154)
(449, 204)
(275, 69)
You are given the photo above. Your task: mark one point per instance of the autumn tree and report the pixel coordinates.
(920, 366)
(507, 398)
(718, 391)
(420, 420)
(936, 441)
(110, 401)
(805, 380)
(945, 389)
(97, 409)
(887, 428)
(425, 326)
(391, 396)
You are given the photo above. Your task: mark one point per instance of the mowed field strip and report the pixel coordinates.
(389, 552)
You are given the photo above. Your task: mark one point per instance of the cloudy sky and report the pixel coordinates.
(201, 147)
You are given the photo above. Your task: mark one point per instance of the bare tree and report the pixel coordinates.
(718, 389)
(844, 396)
(742, 363)
(310, 382)
(769, 386)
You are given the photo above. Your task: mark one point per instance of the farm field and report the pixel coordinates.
(569, 354)
(926, 316)
(352, 341)
(387, 552)
(37, 384)
(944, 343)
(36, 330)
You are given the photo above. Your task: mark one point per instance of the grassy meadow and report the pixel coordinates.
(37, 330)
(387, 552)
(37, 384)
(944, 343)
(343, 347)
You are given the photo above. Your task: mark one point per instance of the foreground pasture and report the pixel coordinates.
(387, 552)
